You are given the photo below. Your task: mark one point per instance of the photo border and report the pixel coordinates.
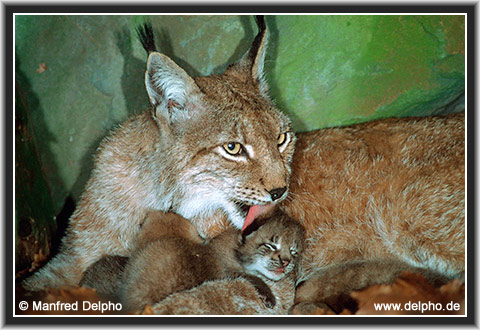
(10, 10)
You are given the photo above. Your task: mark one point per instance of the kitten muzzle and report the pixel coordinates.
(280, 270)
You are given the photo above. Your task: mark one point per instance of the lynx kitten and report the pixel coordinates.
(171, 263)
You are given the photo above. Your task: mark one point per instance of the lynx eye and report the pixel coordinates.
(233, 148)
(282, 138)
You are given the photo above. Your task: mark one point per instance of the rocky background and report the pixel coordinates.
(78, 76)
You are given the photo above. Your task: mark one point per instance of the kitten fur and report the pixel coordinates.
(105, 275)
(208, 148)
(228, 297)
(174, 264)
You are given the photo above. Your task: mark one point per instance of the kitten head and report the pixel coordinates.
(228, 146)
(272, 250)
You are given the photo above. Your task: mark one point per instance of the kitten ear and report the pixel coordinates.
(172, 92)
(253, 60)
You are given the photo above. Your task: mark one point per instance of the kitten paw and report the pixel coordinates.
(268, 299)
(263, 291)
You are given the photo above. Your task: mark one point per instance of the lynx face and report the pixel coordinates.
(273, 250)
(229, 147)
(241, 159)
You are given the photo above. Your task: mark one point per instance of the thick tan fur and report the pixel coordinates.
(331, 284)
(391, 189)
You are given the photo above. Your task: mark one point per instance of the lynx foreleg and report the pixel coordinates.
(81, 247)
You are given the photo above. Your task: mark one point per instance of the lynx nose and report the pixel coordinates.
(277, 193)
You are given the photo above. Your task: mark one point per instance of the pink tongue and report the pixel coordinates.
(254, 211)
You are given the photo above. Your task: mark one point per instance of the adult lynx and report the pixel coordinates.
(209, 148)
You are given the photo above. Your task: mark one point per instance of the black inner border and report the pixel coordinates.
(300, 8)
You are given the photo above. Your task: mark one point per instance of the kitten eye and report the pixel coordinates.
(233, 148)
(271, 246)
(281, 139)
(293, 252)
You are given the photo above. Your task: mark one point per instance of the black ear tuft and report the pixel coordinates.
(256, 50)
(260, 19)
(145, 34)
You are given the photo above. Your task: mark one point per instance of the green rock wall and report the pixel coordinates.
(338, 70)
(81, 75)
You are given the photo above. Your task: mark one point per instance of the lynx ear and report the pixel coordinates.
(172, 92)
(254, 59)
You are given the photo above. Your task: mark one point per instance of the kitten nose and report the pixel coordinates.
(277, 193)
(284, 263)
